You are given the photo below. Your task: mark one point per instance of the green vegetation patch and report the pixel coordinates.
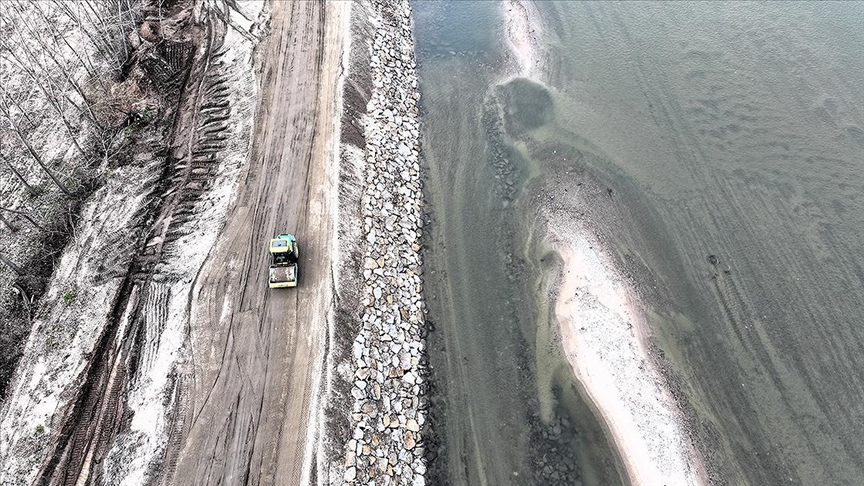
(69, 297)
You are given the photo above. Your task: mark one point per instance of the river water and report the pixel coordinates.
(729, 138)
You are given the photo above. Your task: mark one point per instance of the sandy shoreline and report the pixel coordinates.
(604, 338)
(603, 332)
(521, 37)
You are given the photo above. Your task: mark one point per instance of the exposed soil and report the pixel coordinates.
(356, 90)
(256, 354)
(87, 428)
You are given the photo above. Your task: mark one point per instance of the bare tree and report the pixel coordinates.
(15, 268)
(53, 99)
(46, 50)
(21, 178)
(23, 215)
(7, 114)
(62, 54)
(82, 56)
(105, 29)
(50, 90)
(7, 223)
(40, 79)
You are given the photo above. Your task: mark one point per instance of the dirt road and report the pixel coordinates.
(257, 353)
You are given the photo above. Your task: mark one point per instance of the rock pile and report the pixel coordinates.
(388, 415)
(554, 459)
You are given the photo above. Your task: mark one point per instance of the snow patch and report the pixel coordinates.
(64, 334)
(137, 451)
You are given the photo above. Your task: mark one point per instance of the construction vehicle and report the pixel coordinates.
(284, 263)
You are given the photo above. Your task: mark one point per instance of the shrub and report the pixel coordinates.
(68, 297)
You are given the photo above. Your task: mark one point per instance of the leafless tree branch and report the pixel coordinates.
(4, 110)
(15, 268)
(23, 215)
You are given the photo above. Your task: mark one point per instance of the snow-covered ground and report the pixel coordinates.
(66, 331)
(41, 94)
(65, 334)
(138, 451)
(39, 91)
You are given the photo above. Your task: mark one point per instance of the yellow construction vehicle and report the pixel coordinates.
(284, 263)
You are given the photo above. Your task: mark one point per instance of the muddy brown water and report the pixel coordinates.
(732, 135)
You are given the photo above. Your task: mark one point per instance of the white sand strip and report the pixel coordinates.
(521, 37)
(604, 339)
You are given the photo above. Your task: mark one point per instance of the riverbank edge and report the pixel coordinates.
(375, 421)
(520, 33)
(619, 376)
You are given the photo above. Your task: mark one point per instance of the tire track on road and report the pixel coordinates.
(257, 352)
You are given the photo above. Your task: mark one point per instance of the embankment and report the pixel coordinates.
(97, 388)
(379, 376)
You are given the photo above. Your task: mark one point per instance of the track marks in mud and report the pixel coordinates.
(132, 336)
(198, 142)
(168, 66)
(255, 352)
